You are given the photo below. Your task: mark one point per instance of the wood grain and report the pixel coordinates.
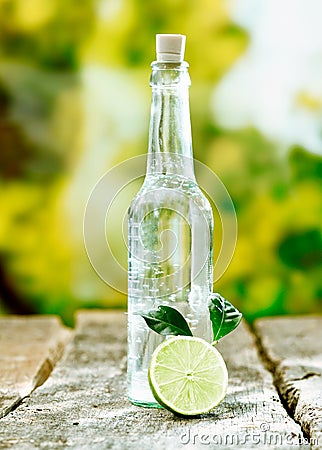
(292, 348)
(29, 349)
(83, 403)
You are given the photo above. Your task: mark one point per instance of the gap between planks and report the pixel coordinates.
(30, 347)
(291, 348)
(83, 404)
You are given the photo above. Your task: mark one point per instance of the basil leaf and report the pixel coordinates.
(223, 315)
(166, 321)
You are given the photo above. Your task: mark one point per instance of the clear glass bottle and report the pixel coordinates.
(170, 227)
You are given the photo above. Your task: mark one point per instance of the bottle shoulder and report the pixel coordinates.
(170, 191)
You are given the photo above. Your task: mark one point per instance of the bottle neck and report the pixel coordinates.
(170, 144)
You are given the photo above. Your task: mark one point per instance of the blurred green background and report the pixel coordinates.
(74, 102)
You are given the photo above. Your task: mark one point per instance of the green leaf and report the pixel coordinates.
(167, 321)
(223, 315)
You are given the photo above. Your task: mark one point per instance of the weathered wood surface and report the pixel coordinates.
(292, 348)
(83, 403)
(29, 349)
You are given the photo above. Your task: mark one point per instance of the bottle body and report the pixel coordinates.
(170, 232)
(170, 263)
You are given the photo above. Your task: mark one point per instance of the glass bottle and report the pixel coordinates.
(170, 222)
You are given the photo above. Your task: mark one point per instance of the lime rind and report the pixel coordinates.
(172, 388)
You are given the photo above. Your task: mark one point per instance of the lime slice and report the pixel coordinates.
(187, 375)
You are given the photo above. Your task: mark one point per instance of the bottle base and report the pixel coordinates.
(144, 404)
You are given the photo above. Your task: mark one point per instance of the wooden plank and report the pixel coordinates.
(292, 347)
(29, 349)
(83, 403)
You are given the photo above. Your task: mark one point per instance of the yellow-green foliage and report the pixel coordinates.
(74, 101)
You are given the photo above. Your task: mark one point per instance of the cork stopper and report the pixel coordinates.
(170, 47)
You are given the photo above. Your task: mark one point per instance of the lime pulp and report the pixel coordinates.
(187, 375)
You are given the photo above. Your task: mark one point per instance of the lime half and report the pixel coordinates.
(187, 375)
